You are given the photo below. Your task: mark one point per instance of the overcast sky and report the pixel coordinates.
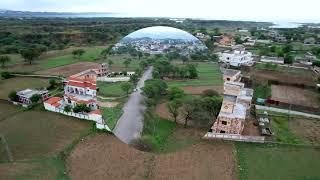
(259, 10)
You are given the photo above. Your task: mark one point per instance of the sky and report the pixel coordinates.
(256, 10)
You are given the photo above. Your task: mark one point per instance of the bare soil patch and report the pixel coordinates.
(196, 90)
(263, 76)
(295, 95)
(69, 69)
(250, 129)
(105, 157)
(163, 112)
(107, 104)
(307, 129)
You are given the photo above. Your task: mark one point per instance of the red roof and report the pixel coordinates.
(89, 80)
(53, 100)
(56, 104)
(73, 98)
(82, 84)
(98, 112)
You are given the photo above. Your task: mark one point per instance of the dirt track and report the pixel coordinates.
(69, 69)
(105, 157)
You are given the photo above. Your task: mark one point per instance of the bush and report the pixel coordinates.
(210, 93)
(35, 98)
(6, 75)
(13, 96)
(81, 108)
(67, 108)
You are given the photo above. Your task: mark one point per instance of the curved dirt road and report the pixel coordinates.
(130, 124)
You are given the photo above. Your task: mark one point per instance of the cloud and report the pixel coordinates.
(261, 10)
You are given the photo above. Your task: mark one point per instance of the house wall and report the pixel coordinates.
(232, 126)
(100, 122)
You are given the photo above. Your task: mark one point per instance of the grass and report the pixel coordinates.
(111, 89)
(262, 91)
(157, 130)
(284, 69)
(209, 75)
(278, 162)
(53, 59)
(112, 115)
(20, 83)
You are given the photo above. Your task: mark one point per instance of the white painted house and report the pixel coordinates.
(236, 58)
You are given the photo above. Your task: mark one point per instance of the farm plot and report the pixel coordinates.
(111, 89)
(295, 95)
(264, 162)
(297, 76)
(7, 109)
(201, 161)
(306, 129)
(37, 134)
(196, 90)
(20, 83)
(209, 75)
(69, 69)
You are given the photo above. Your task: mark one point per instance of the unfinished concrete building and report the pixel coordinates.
(236, 103)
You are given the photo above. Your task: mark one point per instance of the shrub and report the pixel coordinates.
(67, 108)
(13, 96)
(81, 108)
(210, 93)
(6, 75)
(35, 98)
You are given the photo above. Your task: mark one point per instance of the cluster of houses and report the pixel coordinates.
(235, 106)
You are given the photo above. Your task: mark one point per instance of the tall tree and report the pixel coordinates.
(127, 63)
(173, 107)
(78, 53)
(30, 54)
(4, 60)
(110, 63)
(126, 87)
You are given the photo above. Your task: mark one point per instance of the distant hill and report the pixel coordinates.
(10, 13)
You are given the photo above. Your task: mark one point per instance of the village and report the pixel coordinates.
(253, 91)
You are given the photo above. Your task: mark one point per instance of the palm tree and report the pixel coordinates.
(4, 60)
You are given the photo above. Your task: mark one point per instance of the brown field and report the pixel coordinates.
(36, 134)
(20, 83)
(105, 157)
(295, 95)
(6, 110)
(263, 76)
(196, 90)
(69, 69)
(307, 129)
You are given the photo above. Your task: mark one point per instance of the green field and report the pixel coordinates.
(209, 75)
(111, 89)
(20, 83)
(277, 162)
(284, 69)
(112, 115)
(51, 60)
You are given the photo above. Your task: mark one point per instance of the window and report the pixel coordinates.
(222, 131)
(224, 122)
(228, 79)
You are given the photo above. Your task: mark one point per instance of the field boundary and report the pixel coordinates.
(235, 137)
(286, 111)
(36, 76)
(6, 147)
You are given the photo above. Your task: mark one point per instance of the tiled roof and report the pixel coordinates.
(53, 100)
(82, 84)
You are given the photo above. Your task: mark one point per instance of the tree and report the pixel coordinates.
(288, 59)
(134, 78)
(13, 96)
(78, 53)
(67, 108)
(175, 93)
(143, 64)
(189, 109)
(35, 98)
(110, 63)
(212, 105)
(4, 60)
(52, 83)
(140, 54)
(30, 54)
(193, 73)
(126, 87)
(173, 107)
(6, 75)
(287, 48)
(127, 63)
(154, 88)
(81, 108)
(280, 52)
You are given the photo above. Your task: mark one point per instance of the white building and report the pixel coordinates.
(24, 96)
(276, 60)
(236, 58)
